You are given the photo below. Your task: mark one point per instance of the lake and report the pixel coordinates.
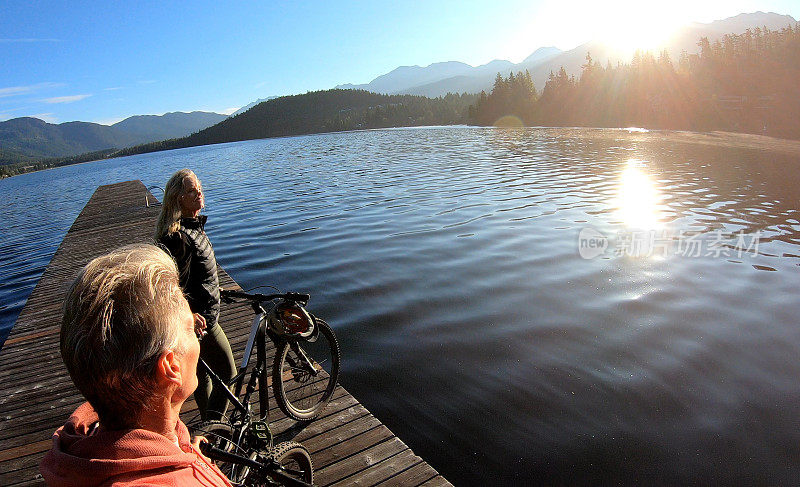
(578, 306)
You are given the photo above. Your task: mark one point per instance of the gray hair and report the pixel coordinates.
(120, 315)
(170, 207)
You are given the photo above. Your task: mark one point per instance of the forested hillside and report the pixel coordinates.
(30, 139)
(325, 111)
(744, 83)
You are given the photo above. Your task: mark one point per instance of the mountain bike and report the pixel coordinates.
(304, 374)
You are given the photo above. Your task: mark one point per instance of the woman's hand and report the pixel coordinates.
(199, 325)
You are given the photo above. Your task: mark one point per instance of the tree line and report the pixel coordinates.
(8, 170)
(743, 82)
(325, 111)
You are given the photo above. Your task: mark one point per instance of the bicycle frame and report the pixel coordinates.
(257, 339)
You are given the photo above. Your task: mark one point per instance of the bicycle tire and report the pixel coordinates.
(294, 460)
(300, 394)
(221, 435)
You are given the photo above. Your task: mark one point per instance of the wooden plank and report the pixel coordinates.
(37, 447)
(30, 336)
(337, 429)
(356, 445)
(355, 437)
(359, 461)
(27, 476)
(382, 471)
(416, 475)
(37, 480)
(348, 444)
(37, 426)
(437, 481)
(28, 461)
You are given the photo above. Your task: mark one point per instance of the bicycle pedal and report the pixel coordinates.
(260, 432)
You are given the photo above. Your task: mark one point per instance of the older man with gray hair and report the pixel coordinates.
(128, 341)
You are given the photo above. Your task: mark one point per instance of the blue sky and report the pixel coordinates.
(104, 61)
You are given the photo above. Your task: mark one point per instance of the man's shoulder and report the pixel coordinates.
(172, 476)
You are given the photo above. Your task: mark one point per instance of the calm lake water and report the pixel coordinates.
(519, 306)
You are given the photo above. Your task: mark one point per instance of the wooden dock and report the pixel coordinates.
(348, 445)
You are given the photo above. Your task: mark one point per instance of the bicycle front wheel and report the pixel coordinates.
(294, 461)
(305, 373)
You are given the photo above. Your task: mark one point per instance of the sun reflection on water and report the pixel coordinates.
(638, 199)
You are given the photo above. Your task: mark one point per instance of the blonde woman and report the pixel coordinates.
(181, 231)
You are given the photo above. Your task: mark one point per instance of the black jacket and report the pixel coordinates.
(197, 266)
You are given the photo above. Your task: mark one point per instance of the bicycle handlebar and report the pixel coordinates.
(229, 294)
(271, 469)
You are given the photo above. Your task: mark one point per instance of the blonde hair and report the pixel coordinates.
(120, 315)
(169, 219)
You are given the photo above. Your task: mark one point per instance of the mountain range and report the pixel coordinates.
(455, 77)
(27, 138)
(148, 128)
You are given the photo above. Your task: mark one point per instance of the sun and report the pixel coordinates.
(628, 26)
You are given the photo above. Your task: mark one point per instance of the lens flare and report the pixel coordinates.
(509, 121)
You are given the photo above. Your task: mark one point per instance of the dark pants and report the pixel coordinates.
(216, 351)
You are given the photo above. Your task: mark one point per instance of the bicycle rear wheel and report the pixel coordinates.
(305, 372)
(221, 435)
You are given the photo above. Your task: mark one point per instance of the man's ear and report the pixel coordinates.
(169, 368)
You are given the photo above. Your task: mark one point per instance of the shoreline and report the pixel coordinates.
(716, 138)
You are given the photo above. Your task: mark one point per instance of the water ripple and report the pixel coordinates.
(451, 254)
